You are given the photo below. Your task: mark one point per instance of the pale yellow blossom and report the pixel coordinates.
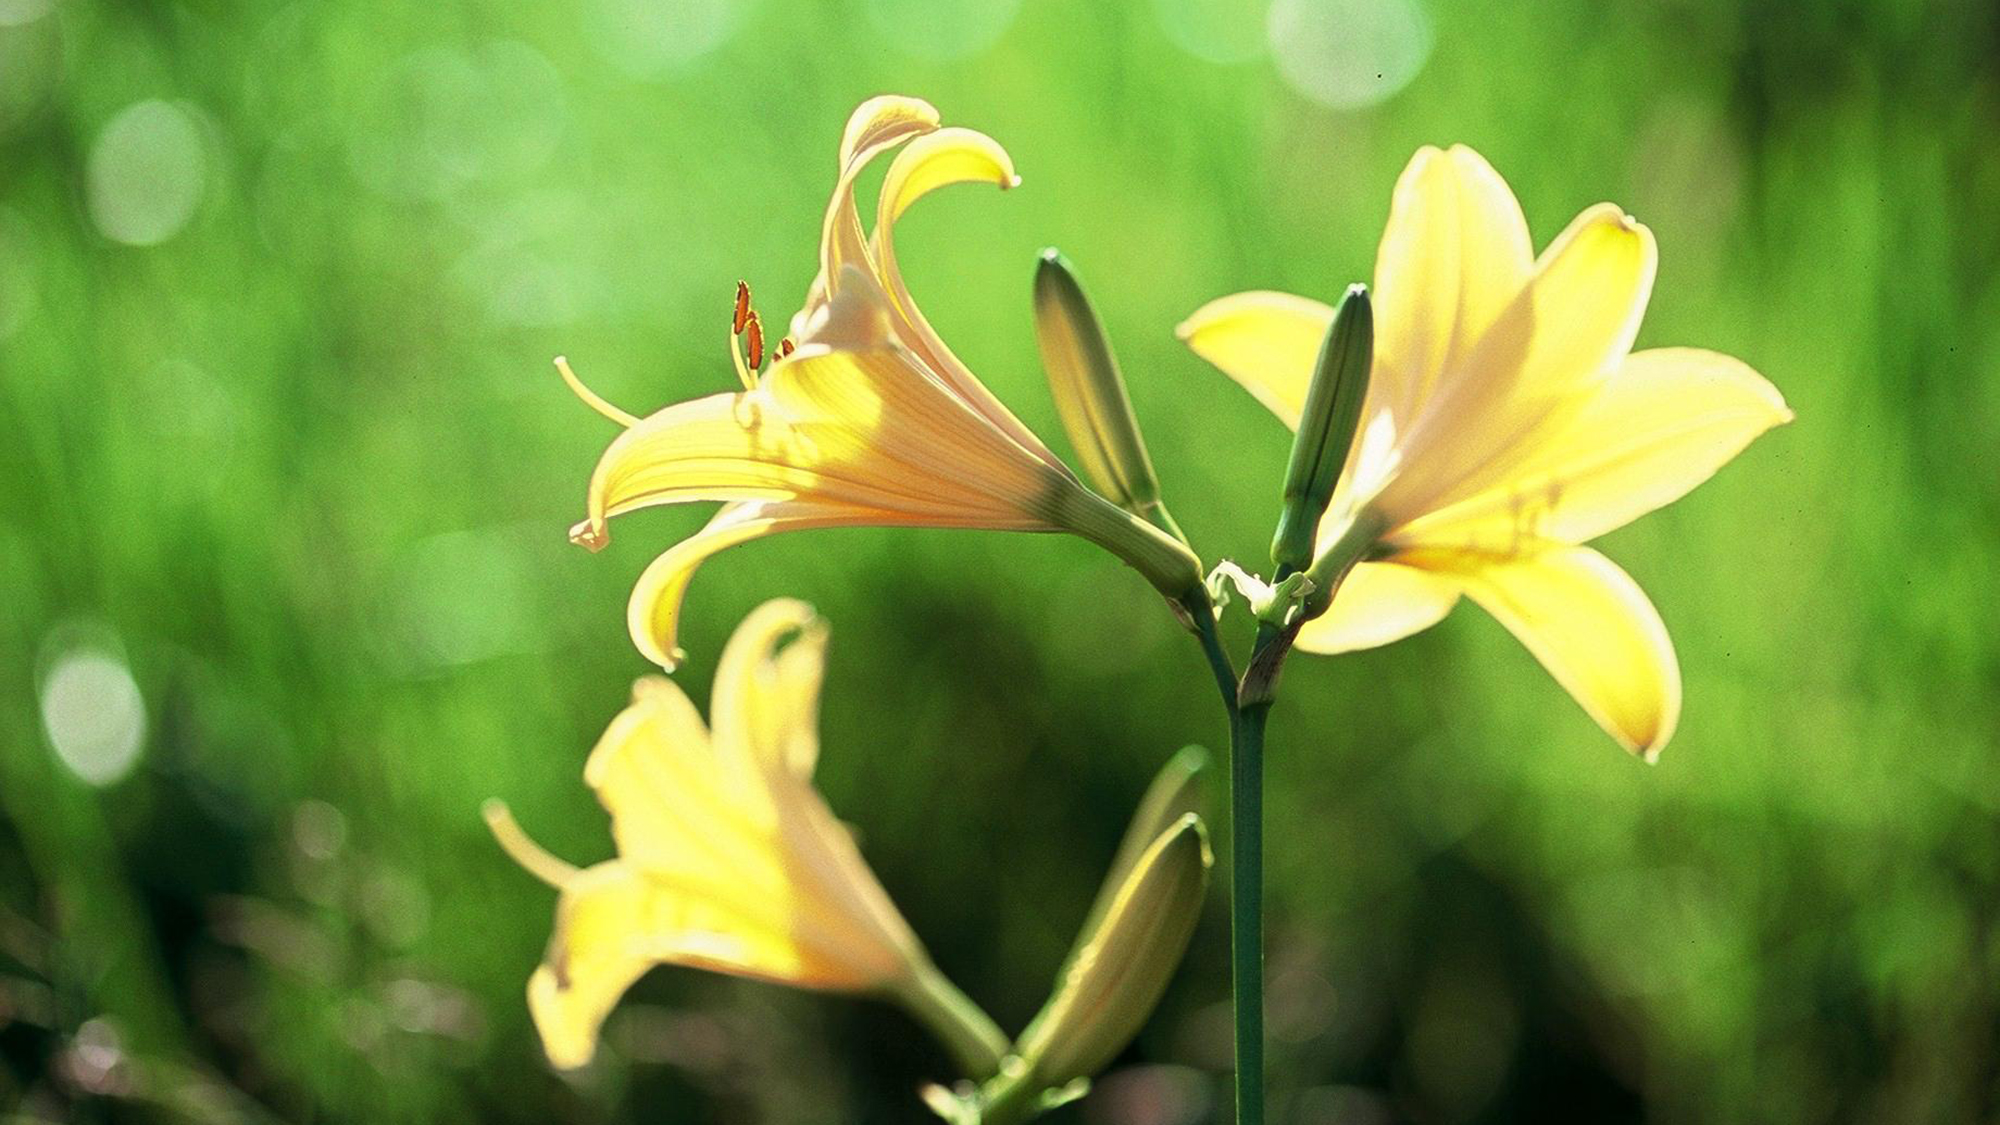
(863, 415)
(1507, 423)
(728, 858)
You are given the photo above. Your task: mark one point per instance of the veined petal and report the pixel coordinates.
(1266, 341)
(1454, 254)
(1379, 602)
(940, 159)
(880, 416)
(766, 697)
(876, 126)
(653, 614)
(1590, 625)
(867, 428)
(1663, 424)
(722, 447)
(950, 155)
(884, 119)
(1533, 369)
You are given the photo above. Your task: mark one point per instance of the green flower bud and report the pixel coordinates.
(1326, 428)
(1090, 394)
(1174, 793)
(1122, 966)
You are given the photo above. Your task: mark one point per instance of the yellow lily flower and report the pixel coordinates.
(728, 858)
(1507, 423)
(863, 415)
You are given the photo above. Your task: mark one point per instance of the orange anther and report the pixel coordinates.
(754, 339)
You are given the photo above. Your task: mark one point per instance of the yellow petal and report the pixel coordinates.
(884, 119)
(653, 614)
(613, 923)
(948, 156)
(676, 813)
(1454, 254)
(1540, 363)
(876, 126)
(1591, 626)
(1379, 602)
(867, 429)
(755, 848)
(833, 438)
(1266, 341)
(766, 697)
(1663, 424)
(940, 159)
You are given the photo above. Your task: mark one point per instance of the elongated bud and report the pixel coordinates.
(1090, 393)
(1326, 428)
(1174, 793)
(1123, 963)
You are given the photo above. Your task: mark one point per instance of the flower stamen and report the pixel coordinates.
(753, 339)
(591, 398)
(521, 849)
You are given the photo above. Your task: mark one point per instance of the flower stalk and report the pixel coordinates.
(971, 1037)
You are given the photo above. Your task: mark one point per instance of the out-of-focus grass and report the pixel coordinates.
(297, 461)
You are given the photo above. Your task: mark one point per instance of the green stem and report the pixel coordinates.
(1246, 906)
(1246, 849)
(1218, 658)
(976, 1043)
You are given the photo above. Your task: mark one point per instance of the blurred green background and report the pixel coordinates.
(284, 592)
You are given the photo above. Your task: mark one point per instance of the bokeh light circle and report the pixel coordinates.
(446, 118)
(14, 13)
(1348, 54)
(657, 38)
(944, 30)
(146, 173)
(1217, 31)
(93, 714)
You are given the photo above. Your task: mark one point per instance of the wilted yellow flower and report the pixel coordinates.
(1507, 422)
(863, 416)
(728, 858)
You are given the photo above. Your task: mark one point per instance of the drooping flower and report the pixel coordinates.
(728, 858)
(1507, 423)
(863, 416)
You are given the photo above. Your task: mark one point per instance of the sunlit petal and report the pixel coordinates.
(951, 155)
(1663, 424)
(766, 694)
(878, 125)
(888, 434)
(1380, 602)
(1591, 626)
(1266, 341)
(864, 429)
(940, 159)
(653, 614)
(883, 120)
(1534, 369)
(1454, 254)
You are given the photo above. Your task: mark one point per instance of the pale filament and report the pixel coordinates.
(591, 398)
